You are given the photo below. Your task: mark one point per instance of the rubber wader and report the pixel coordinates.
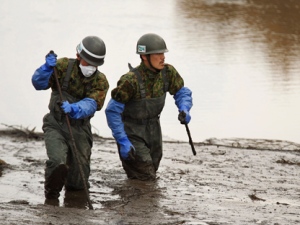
(61, 166)
(142, 126)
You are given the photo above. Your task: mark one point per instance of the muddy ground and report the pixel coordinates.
(229, 181)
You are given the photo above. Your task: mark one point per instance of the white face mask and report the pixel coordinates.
(87, 71)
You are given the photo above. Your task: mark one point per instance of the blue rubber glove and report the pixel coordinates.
(79, 110)
(40, 79)
(184, 116)
(67, 107)
(113, 113)
(41, 76)
(51, 59)
(184, 102)
(127, 151)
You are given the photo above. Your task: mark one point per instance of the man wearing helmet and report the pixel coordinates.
(84, 90)
(136, 103)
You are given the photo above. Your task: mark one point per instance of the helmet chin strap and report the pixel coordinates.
(148, 58)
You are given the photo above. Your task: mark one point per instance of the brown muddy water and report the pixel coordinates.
(229, 181)
(239, 57)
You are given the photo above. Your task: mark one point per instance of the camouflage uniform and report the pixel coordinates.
(141, 116)
(128, 87)
(80, 87)
(57, 137)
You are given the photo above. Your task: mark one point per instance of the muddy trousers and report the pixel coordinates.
(61, 166)
(147, 141)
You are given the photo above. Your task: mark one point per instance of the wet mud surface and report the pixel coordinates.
(227, 182)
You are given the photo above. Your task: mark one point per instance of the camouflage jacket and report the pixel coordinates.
(128, 87)
(80, 87)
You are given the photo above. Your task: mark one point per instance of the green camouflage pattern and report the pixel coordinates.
(81, 87)
(128, 87)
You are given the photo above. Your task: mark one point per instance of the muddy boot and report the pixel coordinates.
(55, 182)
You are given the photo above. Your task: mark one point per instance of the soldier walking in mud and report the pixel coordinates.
(84, 90)
(136, 103)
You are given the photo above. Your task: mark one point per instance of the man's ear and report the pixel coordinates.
(78, 56)
(144, 57)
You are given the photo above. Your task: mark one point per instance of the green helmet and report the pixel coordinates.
(92, 49)
(151, 44)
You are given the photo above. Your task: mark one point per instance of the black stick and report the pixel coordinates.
(74, 148)
(190, 138)
(181, 118)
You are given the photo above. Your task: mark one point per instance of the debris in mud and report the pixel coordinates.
(219, 153)
(280, 203)
(19, 202)
(253, 197)
(3, 165)
(26, 133)
(283, 161)
(20, 131)
(255, 144)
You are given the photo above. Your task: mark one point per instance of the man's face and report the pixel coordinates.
(158, 60)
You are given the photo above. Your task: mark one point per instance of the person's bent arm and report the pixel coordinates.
(40, 78)
(184, 103)
(113, 113)
(81, 109)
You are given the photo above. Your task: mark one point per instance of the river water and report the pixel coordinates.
(239, 57)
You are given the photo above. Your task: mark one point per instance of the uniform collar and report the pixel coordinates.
(151, 74)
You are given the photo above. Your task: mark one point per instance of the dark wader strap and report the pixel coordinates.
(141, 83)
(166, 83)
(68, 75)
(130, 67)
(62, 117)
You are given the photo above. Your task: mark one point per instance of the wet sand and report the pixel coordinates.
(227, 182)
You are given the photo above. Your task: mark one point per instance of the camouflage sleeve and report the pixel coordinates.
(126, 88)
(98, 90)
(175, 80)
